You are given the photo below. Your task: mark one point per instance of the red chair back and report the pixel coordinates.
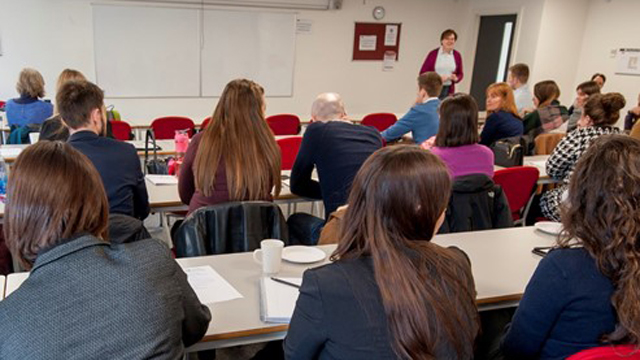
(518, 184)
(205, 122)
(284, 124)
(289, 150)
(121, 130)
(380, 121)
(165, 127)
(2, 104)
(612, 352)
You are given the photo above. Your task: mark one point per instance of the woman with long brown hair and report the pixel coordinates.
(585, 294)
(86, 297)
(390, 292)
(236, 157)
(549, 114)
(503, 120)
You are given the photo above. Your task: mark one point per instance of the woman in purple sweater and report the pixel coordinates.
(457, 140)
(446, 61)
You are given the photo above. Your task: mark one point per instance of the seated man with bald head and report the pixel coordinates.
(337, 148)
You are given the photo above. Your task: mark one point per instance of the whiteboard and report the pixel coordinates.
(155, 51)
(246, 44)
(143, 51)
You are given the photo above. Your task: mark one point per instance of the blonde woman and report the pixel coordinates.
(28, 108)
(236, 157)
(53, 128)
(503, 120)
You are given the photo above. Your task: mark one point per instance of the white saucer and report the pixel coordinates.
(550, 227)
(302, 254)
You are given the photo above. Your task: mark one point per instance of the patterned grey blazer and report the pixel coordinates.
(88, 299)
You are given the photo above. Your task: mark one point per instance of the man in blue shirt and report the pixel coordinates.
(81, 107)
(422, 119)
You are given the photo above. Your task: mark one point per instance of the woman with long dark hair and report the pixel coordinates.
(390, 292)
(236, 157)
(585, 294)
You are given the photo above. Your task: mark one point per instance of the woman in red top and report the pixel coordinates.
(446, 61)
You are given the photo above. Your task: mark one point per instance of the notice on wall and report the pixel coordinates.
(304, 26)
(391, 35)
(368, 42)
(389, 61)
(628, 62)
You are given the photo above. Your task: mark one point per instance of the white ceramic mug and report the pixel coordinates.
(270, 255)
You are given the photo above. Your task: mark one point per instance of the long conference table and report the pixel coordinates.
(502, 264)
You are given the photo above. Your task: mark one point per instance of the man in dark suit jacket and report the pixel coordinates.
(81, 107)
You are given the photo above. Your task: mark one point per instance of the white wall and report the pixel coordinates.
(610, 25)
(51, 35)
(559, 45)
(567, 40)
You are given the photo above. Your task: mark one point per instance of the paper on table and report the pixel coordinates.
(10, 152)
(537, 163)
(14, 281)
(278, 300)
(162, 179)
(210, 286)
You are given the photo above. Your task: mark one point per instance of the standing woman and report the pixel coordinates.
(445, 61)
(28, 109)
(503, 120)
(236, 157)
(390, 293)
(600, 113)
(585, 294)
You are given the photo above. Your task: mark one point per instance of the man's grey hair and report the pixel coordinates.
(328, 106)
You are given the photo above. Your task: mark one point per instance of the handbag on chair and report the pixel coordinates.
(153, 166)
(509, 152)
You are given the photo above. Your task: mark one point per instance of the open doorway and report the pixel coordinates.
(493, 53)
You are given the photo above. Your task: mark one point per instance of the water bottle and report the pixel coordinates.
(181, 139)
(3, 179)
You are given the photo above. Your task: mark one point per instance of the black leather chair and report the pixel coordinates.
(229, 228)
(476, 203)
(125, 229)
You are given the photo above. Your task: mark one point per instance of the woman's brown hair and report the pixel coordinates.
(395, 203)
(239, 136)
(604, 110)
(54, 193)
(30, 83)
(589, 88)
(546, 91)
(503, 90)
(65, 76)
(602, 213)
(458, 121)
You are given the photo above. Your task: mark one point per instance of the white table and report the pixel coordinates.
(502, 264)
(501, 260)
(3, 280)
(14, 281)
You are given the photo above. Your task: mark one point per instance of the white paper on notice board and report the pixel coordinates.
(391, 35)
(368, 42)
(628, 62)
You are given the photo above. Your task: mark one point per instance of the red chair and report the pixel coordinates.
(611, 352)
(2, 104)
(380, 121)
(284, 124)
(289, 150)
(165, 127)
(519, 184)
(121, 130)
(205, 122)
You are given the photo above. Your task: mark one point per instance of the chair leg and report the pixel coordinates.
(526, 209)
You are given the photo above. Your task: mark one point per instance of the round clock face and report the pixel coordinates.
(378, 12)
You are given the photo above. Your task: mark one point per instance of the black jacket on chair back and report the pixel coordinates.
(229, 228)
(476, 203)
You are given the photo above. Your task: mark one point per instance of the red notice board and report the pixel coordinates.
(372, 40)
